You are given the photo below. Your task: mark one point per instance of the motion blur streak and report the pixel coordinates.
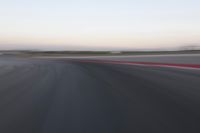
(60, 96)
(183, 66)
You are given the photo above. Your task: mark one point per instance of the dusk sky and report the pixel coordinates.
(99, 25)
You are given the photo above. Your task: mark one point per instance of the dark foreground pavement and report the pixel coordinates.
(43, 96)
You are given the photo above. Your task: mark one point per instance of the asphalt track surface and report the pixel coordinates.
(168, 58)
(69, 96)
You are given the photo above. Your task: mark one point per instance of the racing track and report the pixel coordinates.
(70, 96)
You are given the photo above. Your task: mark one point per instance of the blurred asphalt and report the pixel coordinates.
(65, 96)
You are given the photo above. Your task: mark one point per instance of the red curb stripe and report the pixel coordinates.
(145, 63)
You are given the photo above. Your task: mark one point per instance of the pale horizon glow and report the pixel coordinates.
(102, 25)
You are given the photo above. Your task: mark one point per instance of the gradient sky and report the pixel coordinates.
(98, 25)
